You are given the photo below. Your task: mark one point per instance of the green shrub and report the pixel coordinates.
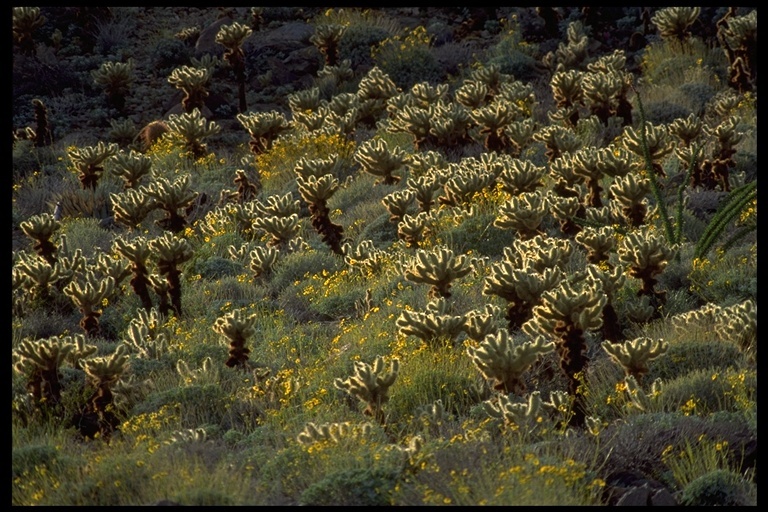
(361, 488)
(687, 355)
(298, 266)
(216, 267)
(356, 43)
(27, 458)
(702, 392)
(87, 235)
(408, 59)
(718, 488)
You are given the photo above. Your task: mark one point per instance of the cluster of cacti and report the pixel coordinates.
(148, 335)
(206, 373)
(523, 213)
(736, 323)
(434, 326)
(335, 432)
(326, 38)
(232, 38)
(503, 360)
(263, 128)
(438, 268)
(88, 296)
(738, 37)
(137, 251)
(237, 326)
(89, 162)
(171, 197)
(675, 22)
(41, 229)
(282, 229)
(26, 20)
(370, 384)
(651, 142)
(377, 158)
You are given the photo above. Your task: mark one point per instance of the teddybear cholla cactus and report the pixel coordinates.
(237, 326)
(634, 355)
(370, 384)
(316, 192)
(647, 255)
(232, 38)
(263, 128)
(137, 251)
(89, 162)
(116, 78)
(503, 361)
(193, 129)
(41, 228)
(375, 157)
(433, 326)
(194, 82)
(171, 252)
(567, 312)
(438, 268)
(88, 296)
(172, 196)
(98, 416)
(515, 414)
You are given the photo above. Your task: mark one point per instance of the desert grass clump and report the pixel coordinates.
(407, 58)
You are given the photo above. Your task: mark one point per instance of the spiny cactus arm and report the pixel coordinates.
(131, 167)
(137, 250)
(317, 190)
(398, 202)
(738, 323)
(40, 227)
(233, 36)
(519, 414)
(521, 176)
(46, 353)
(170, 249)
(524, 213)
(90, 294)
(634, 355)
(437, 267)
(108, 369)
(39, 273)
(674, 22)
(503, 361)
(370, 383)
(237, 324)
(579, 304)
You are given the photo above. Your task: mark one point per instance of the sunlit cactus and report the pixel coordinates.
(521, 287)
(558, 141)
(634, 355)
(567, 182)
(193, 129)
(262, 260)
(687, 129)
(675, 22)
(338, 74)
(439, 268)
(374, 91)
(427, 163)
(39, 361)
(492, 77)
(131, 207)
(521, 176)
(646, 254)
(116, 79)
(370, 384)
(738, 323)
(449, 124)
(503, 360)
(434, 326)
(131, 167)
(738, 37)
(162, 289)
(316, 192)
(565, 210)
(137, 251)
(654, 138)
(726, 137)
(89, 161)
(326, 38)
(414, 120)
(631, 192)
(103, 373)
(276, 205)
(601, 93)
(493, 120)
(335, 432)
(472, 94)
(397, 204)
(232, 38)
(570, 54)
(519, 134)
(599, 242)
(172, 197)
(613, 280)
(519, 415)
(523, 213)
(480, 324)
(237, 326)
(89, 297)
(376, 158)
(41, 228)
(463, 185)
(193, 81)
(424, 191)
(171, 251)
(585, 163)
(282, 229)
(566, 313)
(148, 335)
(568, 92)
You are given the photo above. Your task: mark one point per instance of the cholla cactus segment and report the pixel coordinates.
(262, 260)
(316, 167)
(687, 129)
(738, 323)
(233, 36)
(558, 141)
(634, 355)
(192, 80)
(236, 324)
(431, 327)
(560, 402)
(428, 94)
(193, 128)
(206, 373)
(307, 99)
(657, 141)
(567, 88)
(115, 77)
(503, 361)
(131, 207)
(521, 176)
(521, 415)
(449, 124)
(170, 250)
(375, 157)
(479, 324)
(411, 228)
(41, 228)
(334, 432)
(647, 255)
(675, 22)
(318, 191)
(89, 295)
(578, 304)
(397, 203)
(439, 268)
(638, 398)
(617, 161)
(376, 84)
(524, 213)
(424, 189)
(631, 192)
(131, 167)
(371, 384)
(282, 229)
(462, 187)
(107, 370)
(472, 94)
(276, 206)
(264, 128)
(45, 354)
(612, 279)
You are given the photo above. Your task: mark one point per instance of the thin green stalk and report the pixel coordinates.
(731, 207)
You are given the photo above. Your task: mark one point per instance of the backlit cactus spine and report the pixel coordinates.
(194, 82)
(103, 373)
(41, 229)
(434, 326)
(647, 255)
(137, 251)
(171, 197)
(517, 415)
(524, 213)
(88, 297)
(375, 157)
(232, 38)
(370, 384)
(89, 162)
(193, 130)
(263, 128)
(316, 192)
(503, 361)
